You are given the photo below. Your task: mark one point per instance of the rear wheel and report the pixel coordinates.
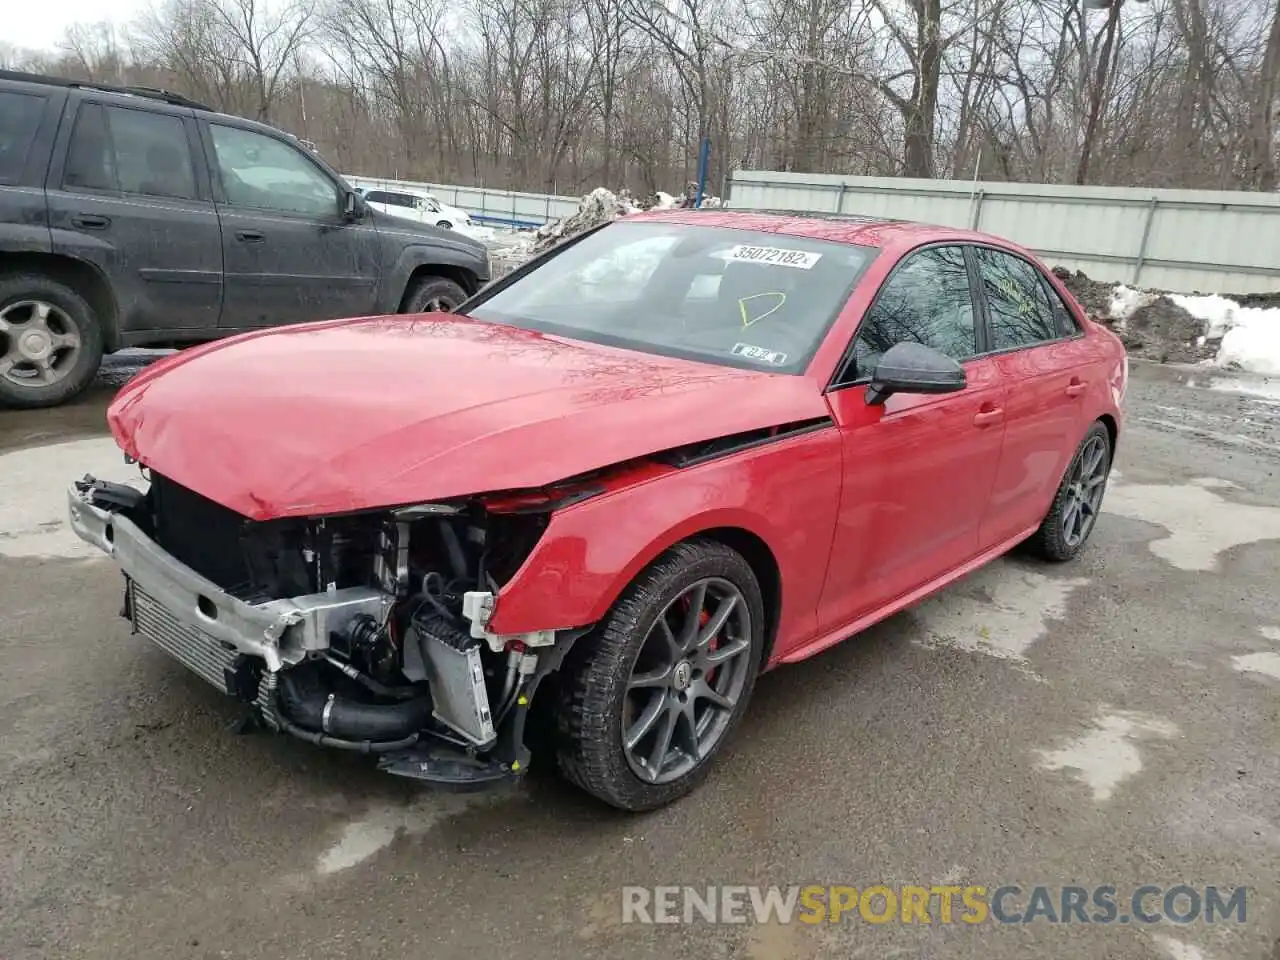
(50, 342)
(652, 696)
(445, 224)
(433, 295)
(1079, 500)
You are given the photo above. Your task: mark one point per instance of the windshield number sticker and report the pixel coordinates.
(775, 358)
(801, 259)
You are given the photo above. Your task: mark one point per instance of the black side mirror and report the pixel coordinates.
(914, 368)
(353, 206)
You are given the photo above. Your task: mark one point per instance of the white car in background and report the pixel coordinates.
(417, 205)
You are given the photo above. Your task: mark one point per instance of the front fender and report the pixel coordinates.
(444, 252)
(786, 493)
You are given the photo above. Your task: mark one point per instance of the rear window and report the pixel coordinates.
(735, 297)
(19, 119)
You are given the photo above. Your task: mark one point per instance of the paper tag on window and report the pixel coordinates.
(779, 256)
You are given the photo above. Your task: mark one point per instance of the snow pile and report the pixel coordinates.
(599, 206)
(1124, 301)
(1250, 336)
(1197, 328)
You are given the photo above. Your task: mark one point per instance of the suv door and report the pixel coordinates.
(128, 191)
(918, 469)
(1043, 359)
(289, 254)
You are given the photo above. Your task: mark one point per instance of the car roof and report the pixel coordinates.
(837, 227)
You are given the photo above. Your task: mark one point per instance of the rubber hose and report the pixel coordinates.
(319, 711)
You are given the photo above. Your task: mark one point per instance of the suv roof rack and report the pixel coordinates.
(151, 93)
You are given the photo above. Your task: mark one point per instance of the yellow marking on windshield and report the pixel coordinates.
(742, 307)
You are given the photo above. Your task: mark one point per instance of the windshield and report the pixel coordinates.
(736, 297)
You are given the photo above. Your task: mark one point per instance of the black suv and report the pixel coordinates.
(135, 217)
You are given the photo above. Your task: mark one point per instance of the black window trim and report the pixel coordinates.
(979, 315)
(980, 291)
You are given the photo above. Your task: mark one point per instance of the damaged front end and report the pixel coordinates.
(364, 632)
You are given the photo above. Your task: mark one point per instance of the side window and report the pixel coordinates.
(926, 300)
(1021, 312)
(129, 151)
(90, 165)
(151, 154)
(1067, 325)
(376, 196)
(19, 119)
(266, 173)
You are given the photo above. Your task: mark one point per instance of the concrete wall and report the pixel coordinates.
(1180, 240)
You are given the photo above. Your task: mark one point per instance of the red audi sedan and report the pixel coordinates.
(613, 487)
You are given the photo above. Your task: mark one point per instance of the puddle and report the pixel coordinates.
(1107, 755)
(999, 610)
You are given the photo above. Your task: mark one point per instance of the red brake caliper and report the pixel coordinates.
(712, 644)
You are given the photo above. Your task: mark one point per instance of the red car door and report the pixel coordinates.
(1044, 360)
(918, 469)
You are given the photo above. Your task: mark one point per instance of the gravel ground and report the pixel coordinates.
(1112, 721)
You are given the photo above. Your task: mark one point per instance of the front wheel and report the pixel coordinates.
(1075, 509)
(656, 691)
(433, 295)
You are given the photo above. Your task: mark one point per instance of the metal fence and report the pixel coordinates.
(499, 208)
(1180, 240)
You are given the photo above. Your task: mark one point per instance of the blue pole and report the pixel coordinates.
(704, 154)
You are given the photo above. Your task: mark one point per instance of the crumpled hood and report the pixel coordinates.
(357, 414)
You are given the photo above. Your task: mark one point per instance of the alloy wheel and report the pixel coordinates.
(1084, 491)
(39, 343)
(688, 676)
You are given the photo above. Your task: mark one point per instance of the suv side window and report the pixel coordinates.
(19, 119)
(151, 153)
(129, 151)
(1020, 310)
(925, 300)
(376, 196)
(268, 174)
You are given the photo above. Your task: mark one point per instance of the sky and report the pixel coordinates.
(40, 26)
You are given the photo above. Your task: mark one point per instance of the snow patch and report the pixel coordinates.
(1199, 523)
(999, 610)
(33, 511)
(1108, 754)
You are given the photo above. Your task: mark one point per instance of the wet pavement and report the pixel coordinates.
(1111, 721)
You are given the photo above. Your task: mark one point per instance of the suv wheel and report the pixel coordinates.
(50, 341)
(433, 295)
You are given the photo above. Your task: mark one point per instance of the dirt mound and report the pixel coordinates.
(1093, 295)
(1166, 332)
